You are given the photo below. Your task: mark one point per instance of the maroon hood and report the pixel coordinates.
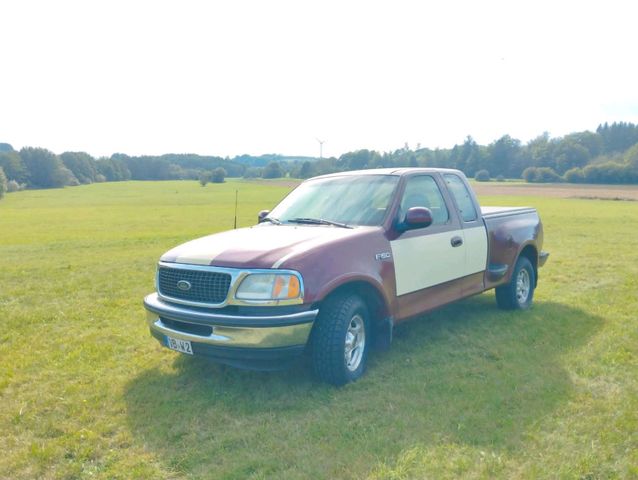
(261, 246)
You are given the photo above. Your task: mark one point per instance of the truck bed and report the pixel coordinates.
(494, 212)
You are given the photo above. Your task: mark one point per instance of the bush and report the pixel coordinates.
(631, 156)
(204, 178)
(500, 178)
(529, 174)
(547, 175)
(3, 183)
(218, 175)
(574, 175)
(610, 172)
(482, 176)
(541, 175)
(13, 186)
(252, 172)
(73, 181)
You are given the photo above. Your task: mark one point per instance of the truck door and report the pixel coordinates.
(474, 234)
(428, 257)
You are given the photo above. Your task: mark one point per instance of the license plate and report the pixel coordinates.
(178, 345)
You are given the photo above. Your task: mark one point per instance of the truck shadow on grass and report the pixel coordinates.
(468, 374)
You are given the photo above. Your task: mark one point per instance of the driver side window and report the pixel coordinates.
(422, 191)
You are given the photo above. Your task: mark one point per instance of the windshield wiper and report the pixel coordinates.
(318, 221)
(274, 220)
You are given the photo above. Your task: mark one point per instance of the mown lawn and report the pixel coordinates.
(468, 391)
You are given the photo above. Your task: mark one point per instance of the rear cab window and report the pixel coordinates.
(462, 196)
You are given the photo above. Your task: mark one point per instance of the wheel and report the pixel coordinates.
(341, 339)
(519, 292)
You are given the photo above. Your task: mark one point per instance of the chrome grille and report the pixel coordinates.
(205, 286)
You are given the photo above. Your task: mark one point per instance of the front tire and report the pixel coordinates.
(341, 339)
(518, 293)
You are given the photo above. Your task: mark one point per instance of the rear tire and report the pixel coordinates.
(518, 293)
(341, 339)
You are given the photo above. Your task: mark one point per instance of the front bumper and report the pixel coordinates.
(240, 340)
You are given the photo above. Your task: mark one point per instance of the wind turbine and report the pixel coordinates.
(321, 142)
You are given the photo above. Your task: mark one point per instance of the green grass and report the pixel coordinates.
(467, 391)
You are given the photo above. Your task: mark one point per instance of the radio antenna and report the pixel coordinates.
(235, 224)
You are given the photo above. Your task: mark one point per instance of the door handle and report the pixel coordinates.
(456, 241)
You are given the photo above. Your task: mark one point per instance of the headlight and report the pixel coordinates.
(269, 286)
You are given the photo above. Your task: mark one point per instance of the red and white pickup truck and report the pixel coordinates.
(341, 260)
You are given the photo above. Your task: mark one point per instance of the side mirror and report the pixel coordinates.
(417, 217)
(261, 215)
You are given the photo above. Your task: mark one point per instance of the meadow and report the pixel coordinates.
(468, 391)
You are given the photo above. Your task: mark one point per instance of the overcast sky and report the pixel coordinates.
(234, 77)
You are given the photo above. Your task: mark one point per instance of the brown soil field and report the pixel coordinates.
(277, 182)
(608, 192)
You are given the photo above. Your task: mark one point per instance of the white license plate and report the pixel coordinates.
(178, 345)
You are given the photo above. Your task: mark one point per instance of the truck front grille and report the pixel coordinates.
(197, 285)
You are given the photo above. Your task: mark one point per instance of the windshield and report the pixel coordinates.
(349, 200)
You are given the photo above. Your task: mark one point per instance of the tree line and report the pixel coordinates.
(607, 155)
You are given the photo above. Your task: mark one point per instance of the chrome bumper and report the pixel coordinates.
(248, 332)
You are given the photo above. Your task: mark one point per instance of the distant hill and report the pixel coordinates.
(263, 160)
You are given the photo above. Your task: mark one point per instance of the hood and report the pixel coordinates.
(260, 246)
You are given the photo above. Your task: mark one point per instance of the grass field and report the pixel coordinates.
(468, 391)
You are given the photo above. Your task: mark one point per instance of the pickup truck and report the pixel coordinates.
(336, 265)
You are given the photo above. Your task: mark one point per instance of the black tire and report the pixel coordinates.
(518, 293)
(343, 323)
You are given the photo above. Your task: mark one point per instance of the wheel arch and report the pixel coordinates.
(530, 252)
(374, 299)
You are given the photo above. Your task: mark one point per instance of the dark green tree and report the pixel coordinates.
(218, 175)
(252, 172)
(46, 170)
(273, 170)
(204, 178)
(618, 136)
(81, 164)
(361, 159)
(14, 167)
(570, 154)
(3, 183)
(307, 170)
(503, 156)
(113, 169)
(467, 157)
(540, 151)
(591, 141)
(631, 157)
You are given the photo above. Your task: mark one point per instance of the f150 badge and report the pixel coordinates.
(383, 256)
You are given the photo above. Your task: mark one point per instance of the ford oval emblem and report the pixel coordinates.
(183, 285)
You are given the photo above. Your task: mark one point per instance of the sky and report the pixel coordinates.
(257, 77)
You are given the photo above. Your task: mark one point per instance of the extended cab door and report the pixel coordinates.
(428, 258)
(474, 233)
